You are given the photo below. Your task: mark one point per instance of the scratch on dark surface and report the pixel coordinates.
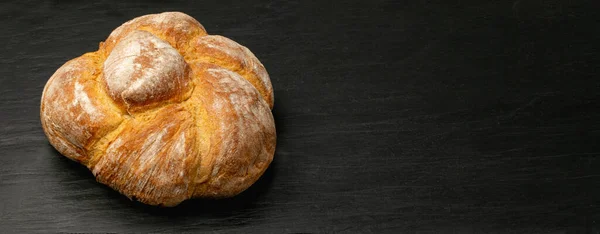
(528, 104)
(531, 103)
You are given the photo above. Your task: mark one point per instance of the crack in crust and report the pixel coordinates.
(163, 112)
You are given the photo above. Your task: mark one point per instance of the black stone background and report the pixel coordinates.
(433, 116)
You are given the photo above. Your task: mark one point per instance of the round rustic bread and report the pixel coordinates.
(164, 112)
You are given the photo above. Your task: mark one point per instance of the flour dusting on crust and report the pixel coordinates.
(84, 101)
(144, 69)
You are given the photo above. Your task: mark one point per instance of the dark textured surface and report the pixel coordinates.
(391, 115)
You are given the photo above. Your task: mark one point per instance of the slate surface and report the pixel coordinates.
(434, 116)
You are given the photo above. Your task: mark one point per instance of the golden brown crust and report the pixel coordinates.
(226, 53)
(240, 121)
(176, 28)
(152, 157)
(163, 113)
(74, 111)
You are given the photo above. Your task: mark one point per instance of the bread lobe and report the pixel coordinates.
(244, 121)
(176, 28)
(235, 57)
(157, 167)
(143, 70)
(73, 109)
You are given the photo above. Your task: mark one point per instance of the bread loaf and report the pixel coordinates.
(163, 112)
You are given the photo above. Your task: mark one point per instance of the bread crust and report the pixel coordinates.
(164, 112)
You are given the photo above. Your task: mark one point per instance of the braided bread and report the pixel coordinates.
(164, 112)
